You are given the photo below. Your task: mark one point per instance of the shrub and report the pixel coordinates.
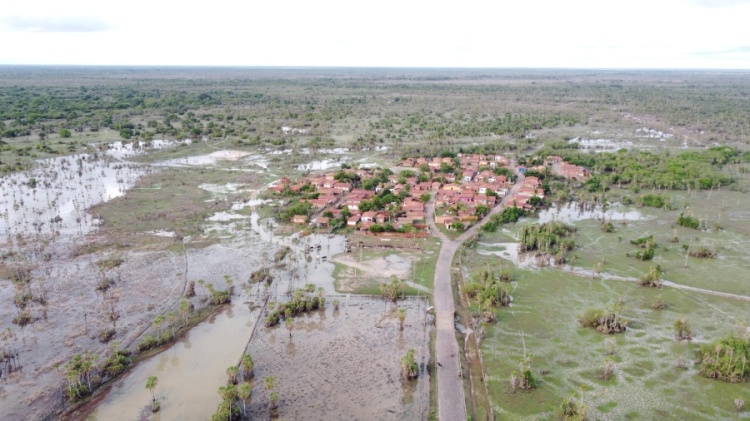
(148, 342)
(688, 221)
(409, 366)
(727, 359)
(604, 321)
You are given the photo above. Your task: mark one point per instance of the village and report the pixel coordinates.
(465, 187)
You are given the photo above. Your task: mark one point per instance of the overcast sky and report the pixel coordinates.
(400, 33)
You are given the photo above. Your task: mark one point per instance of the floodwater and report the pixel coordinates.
(345, 364)
(203, 160)
(123, 150)
(53, 198)
(320, 165)
(189, 373)
(574, 211)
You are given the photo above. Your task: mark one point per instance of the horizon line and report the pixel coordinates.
(324, 67)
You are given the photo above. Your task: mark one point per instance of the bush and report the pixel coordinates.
(604, 321)
(688, 221)
(106, 335)
(727, 359)
(653, 200)
(409, 366)
(652, 278)
(148, 342)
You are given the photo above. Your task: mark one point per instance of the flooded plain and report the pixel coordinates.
(655, 376)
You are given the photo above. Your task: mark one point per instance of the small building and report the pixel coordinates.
(299, 219)
(322, 222)
(353, 220)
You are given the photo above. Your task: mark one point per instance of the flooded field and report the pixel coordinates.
(655, 376)
(345, 363)
(52, 199)
(45, 217)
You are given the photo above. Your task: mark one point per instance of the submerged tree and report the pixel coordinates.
(573, 410)
(523, 378)
(392, 291)
(401, 317)
(682, 330)
(726, 359)
(232, 372)
(151, 385)
(652, 278)
(273, 398)
(605, 321)
(409, 366)
(289, 323)
(247, 366)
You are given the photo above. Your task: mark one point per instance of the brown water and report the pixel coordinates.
(189, 373)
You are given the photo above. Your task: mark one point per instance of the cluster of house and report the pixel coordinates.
(334, 196)
(471, 186)
(571, 171)
(464, 193)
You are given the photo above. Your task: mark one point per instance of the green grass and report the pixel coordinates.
(167, 200)
(425, 270)
(647, 383)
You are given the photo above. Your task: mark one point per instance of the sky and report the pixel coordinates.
(387, 33)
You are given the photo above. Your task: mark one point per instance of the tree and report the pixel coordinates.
(151, 385)
(682, 330)
(158, 321)
(289, 323)
(573, 410)
(270, 384)
(392, 290)
(243, 392)
(401, 317)
(64, 133)
(247, 366)
(409, 366)
(232, 374)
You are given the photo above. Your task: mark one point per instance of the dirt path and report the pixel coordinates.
(450, 389)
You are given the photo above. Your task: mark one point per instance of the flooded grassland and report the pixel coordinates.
(655, 376)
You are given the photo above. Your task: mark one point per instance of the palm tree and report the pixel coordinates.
(150, 385)
(158, 321)
(243, 392)
(682, 329)
(232, 374)
(273, 398)
(289, 323)
(247, 366)
(228, 394)
(401, 317)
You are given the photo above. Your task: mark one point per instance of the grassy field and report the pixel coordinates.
(568, 359)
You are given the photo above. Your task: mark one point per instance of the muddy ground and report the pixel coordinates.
(346, 363)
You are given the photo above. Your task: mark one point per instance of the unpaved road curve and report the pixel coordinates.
(450, 389)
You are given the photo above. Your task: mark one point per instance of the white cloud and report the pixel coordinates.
(53, 24)
(471, 33)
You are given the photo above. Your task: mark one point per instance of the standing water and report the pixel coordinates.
(189, 373)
